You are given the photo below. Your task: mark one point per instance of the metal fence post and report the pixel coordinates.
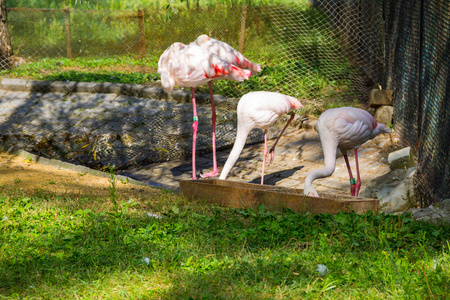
(68, 36)
(242, 33)
(141, 33)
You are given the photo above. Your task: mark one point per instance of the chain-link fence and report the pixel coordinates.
(417, 60)
(322, 52)
(44, 33)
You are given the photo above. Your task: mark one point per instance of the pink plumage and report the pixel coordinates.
(226, 52)
(343, 128)
(258, 110)
(193, 65)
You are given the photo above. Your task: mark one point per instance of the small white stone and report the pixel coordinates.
(322, 269)
(151, 215)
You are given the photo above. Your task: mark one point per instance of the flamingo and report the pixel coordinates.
(226, 52)
(343, 128)
(258, 110)
(199, 63)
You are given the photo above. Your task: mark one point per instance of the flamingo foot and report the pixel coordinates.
(271, 156)
(357, 187)
(210, 174)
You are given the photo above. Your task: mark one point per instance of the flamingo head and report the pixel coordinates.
(310, 192)
(202, 39)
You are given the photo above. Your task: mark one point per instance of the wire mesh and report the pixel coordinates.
(322, 52)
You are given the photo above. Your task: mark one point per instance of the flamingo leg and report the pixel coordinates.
(352, 180)
(264, 156)
(358, 178)
(194, 133)
(215, 170)
(272, 150)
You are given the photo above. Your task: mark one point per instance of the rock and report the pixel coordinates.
(431, 215)
(445, 205)
(399, 197)
(182, 96)
(384, 114)
(380, 97)
(401, 159)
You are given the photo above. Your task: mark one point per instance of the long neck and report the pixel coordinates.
(329, 152)
(239, 143)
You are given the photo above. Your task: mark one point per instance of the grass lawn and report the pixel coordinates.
(166, 247)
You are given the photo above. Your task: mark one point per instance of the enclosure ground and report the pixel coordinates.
(30, 177)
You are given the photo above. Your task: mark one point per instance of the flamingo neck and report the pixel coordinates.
(239, 143)
(329, 152)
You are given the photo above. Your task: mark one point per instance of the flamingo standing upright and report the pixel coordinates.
(343, 128)
(199, 63)
(258, 110)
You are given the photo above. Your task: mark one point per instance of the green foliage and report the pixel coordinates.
(132, 4)
(57, 247)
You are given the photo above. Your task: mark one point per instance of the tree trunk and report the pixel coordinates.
(5, 41)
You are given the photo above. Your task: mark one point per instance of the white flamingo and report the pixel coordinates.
(343, 128)
(258, 110)
(199, 63)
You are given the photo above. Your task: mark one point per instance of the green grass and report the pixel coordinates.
(62, 248)
(133, 4)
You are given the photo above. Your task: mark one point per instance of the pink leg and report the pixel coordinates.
(352, 180)
(272, 150)
(194, 134)
(264, 156)
(358, 178)
(215, 171)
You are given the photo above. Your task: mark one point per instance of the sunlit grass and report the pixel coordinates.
(171, 248)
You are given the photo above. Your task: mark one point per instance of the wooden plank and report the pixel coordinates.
(248, 195)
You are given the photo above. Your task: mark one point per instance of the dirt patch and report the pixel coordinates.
(18, 173)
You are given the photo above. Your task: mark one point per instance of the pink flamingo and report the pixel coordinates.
(258, 110)
(226, 52)
(343, 128)
(198, 63)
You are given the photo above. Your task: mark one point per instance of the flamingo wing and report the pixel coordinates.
(350, 126)
(226, 52)
(190, 66)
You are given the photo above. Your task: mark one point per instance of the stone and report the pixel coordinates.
(445, 205)
(86, 87)
(35, 86)
(401, 197)
(63, 86)
(380, 97)
(384, 114)
(14, 85)
(401, 159)
(183, 96)
(153, 93)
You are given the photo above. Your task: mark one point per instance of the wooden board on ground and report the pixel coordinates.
(249, 195)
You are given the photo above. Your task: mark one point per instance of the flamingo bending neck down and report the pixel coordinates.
(258, 110)
(198, 63)
(344, 128)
